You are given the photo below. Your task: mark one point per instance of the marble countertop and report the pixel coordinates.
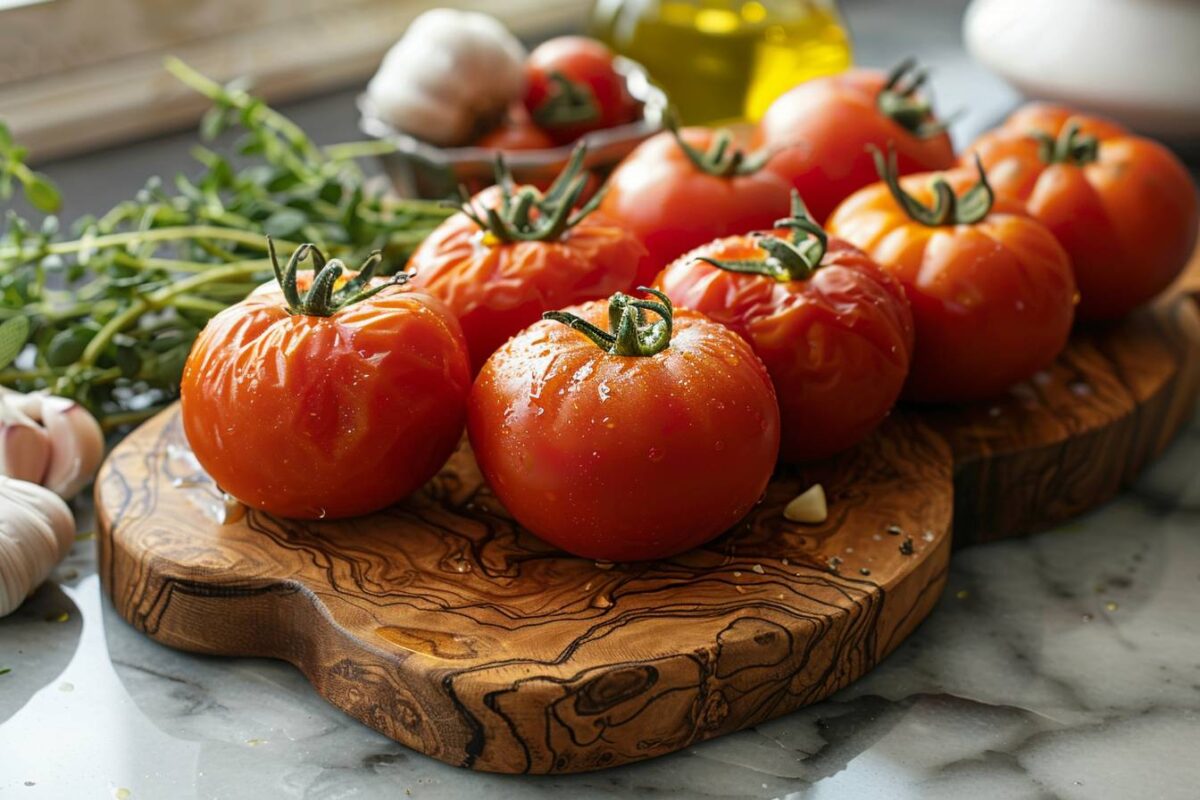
(1065, 665)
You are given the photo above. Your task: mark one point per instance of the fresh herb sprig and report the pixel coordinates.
(112, 309)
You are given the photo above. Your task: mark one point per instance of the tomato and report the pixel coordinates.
(819, 132)
(1123, 207)
(678, 191)
(516, 132)
(326, 404)
(499, 274)
(833, 329)
(991, 289)
(625, 447)
(572, 87)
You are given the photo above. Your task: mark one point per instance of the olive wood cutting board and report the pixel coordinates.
(444, 625)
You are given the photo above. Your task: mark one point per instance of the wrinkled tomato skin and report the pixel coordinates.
(625, 458)
(672, 206)
(820, 133)
(992, 302)
(1128, 220)
(837, 345)
(586, 62)
(497, 289)
(326, 417)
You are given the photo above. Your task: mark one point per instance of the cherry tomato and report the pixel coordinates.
(327, 404)
(833, 329)
(621, 447)
(1123, 207)
(819, 132)
(516, 132)
(572, 87)
(991, 289)
(498, 274)
(676, 192)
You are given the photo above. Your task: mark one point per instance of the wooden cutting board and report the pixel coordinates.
(445, 626)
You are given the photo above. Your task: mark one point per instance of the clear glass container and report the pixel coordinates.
(722, 60)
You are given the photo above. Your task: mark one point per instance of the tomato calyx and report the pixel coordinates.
(948, 208)
(630, 334)
(720, 160)
(792, 259)
(568, 103)
(1071, 146)
(528, 215)
(324, 298)
(898, 100)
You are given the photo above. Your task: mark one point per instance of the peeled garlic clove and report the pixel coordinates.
(76, 445)
(36, 533)
(24, 445)
(809, 507)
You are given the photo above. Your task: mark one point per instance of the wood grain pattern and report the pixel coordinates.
(445, 626)
(1069, 439)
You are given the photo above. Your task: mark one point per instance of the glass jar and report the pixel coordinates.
(722, 60)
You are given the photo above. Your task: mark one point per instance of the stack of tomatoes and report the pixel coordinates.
(643, 359)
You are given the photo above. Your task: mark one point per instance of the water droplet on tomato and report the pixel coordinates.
(655, 454)
(719, 445)
(603, 391)
(322, 514)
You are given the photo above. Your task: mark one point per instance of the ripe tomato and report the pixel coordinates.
(1123, 207)
(678, 191)
(516, 132)
(832, 328)
(572, 87)
(991, 289)
(514, 252)
(819, 132)
(621, 447)
(326, 404)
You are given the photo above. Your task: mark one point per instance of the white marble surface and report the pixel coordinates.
(1065, 665)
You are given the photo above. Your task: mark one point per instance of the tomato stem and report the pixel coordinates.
(630, 334)
(1071, 146)
(948, 208)
(794, 259)
(722, 159)
(324, 298)
(898, 99)
(527, 215)
(569, 103)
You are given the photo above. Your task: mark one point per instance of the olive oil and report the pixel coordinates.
(721, 60)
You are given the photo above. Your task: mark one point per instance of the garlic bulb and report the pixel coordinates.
(36, 532)
(49, 440)
(450, 71)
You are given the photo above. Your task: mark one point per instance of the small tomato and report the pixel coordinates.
(572, 87)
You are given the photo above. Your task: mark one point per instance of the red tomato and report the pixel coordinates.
(516, 132)
(991, 289)
(819, 133)
(675, 199)
(498, 276)
(625, 448)
(311, 406)
(572, 87)
(1123, 207)
(832, 328)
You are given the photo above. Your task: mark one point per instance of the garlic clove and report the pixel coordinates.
(808, 507)
(76, 445)
(24, 444)
(36, 533)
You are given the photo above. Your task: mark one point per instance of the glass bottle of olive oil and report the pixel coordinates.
(721, 60)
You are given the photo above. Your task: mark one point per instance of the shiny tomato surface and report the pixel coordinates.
(820, 131)
(497, 288)
(837, 344)
(625, 457)
(672, 205)
(572, 87)
(1126, 214)
(992, 301)
(324, 417)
